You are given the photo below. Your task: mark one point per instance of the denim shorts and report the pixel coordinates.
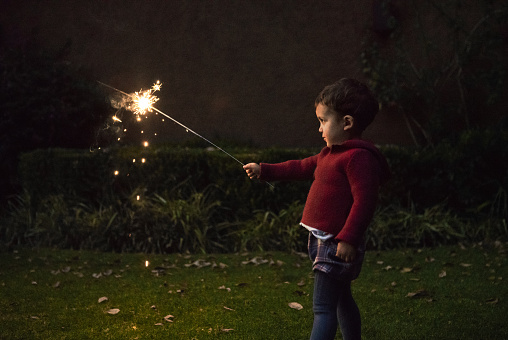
(322, 254)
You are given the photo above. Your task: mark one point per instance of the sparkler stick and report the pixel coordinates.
(197, 134)
(143, 101)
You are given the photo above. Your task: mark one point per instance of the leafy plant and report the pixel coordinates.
(440, 89)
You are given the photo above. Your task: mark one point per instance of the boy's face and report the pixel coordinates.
(331, 125)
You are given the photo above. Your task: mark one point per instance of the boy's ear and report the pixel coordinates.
(348, 122)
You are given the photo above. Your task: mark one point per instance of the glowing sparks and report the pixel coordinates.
(157, 86)
(116, 172)
(142, 101)
(139, 102)
(147, 263)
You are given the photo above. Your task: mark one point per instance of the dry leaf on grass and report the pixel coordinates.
(492, 301)
(169, 318)
(102, 299)
(113, 311)
(255, 261)
(198, 263)
(418, 294)
(295, 305)
(225, 288)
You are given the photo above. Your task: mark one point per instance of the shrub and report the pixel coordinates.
(200, 201)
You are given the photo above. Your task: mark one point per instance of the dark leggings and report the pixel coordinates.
(334, 303)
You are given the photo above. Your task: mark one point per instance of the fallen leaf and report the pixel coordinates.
(225, 288)
(169, 318)
(295, 305)
(465, 265)
(57, 284)
(492, 301)
(108, 272)
(227, 308)
(301, 283)
(97, 275)
(66, 269)
(102, 299)
(158, 324)
(113, 311)
(256, 261)
(418, 293)
(198, 263)
(406, 270)
(442, 274)
(227, 329)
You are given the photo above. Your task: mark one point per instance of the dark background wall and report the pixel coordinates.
(239, 70)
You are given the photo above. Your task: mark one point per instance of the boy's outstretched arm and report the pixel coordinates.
(253, 170)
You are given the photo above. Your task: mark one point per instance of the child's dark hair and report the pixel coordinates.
(350, 97)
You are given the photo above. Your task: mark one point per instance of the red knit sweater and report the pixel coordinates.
(344, 192)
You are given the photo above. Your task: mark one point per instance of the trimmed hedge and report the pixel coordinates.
(168, 199)
(174, 171)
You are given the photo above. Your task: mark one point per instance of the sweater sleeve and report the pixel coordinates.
(364, 178)
(293, 170)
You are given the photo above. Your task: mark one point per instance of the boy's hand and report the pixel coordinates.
(346, 252)
(253, 170)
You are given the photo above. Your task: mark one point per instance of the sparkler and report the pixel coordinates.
(142, 102)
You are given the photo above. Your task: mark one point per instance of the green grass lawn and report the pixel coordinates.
(444, 293)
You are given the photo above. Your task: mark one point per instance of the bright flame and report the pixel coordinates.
(116, 119)
(144, 100)
(147, 263)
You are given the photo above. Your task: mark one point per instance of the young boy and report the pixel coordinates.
(346, 176)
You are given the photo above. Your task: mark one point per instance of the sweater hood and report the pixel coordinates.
(363, 144)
